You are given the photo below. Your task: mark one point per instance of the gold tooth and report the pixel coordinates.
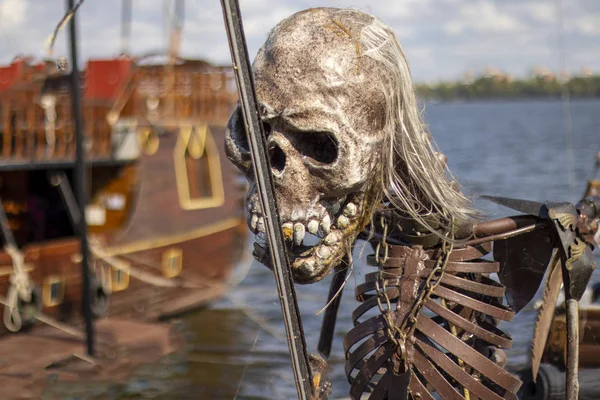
(288, 231)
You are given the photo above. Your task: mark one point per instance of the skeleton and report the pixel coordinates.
(327, 97)
(349, 152)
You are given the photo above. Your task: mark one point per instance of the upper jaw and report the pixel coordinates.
(316, 240)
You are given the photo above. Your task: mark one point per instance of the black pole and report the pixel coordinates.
(80, 183)
(262, 171)
(330, 317)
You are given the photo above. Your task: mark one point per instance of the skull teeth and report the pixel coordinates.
(326, 224)
(313, 226)
(342, 221)
(331, 239)
(323, 252)
(308, 266)
(254, 221)
(288, 230)
(299, 232)
(295, 215)
(260, 225)
(350, 209)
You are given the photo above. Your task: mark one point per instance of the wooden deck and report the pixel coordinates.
(32, 362)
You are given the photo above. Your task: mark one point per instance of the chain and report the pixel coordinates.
(398, 334)
(433, 281)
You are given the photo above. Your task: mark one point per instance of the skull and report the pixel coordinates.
(323, 116)
(324, 91)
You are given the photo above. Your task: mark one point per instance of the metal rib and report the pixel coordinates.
(468, 354)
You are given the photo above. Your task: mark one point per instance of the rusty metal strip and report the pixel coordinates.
(493, 338)
(374, 342)
(392, 387)
(496, 226)
(496, 290)
(491, 288)
(478, 266)
(435, 379)
(469, 355)
(458, 253)
(369, 369)
(361, 290)
(389, 275)
(462, 254)
(418, 390)
(363, 330)
(370, 301)
(546, 314)
(381, 389)
(456, 372)
(499, 312)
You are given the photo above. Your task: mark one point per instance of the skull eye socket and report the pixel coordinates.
(322, 147)
(238, 131)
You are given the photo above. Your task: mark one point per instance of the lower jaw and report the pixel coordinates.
(262, 254)
(312, 263)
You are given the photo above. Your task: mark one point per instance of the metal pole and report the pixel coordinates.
(262, 171)
(572, 389)
(80, 182)
(4, 226)
(330, 317)
(60, 180)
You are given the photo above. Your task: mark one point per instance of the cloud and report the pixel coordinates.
(481, 17)
(442, 38)
(12, 12)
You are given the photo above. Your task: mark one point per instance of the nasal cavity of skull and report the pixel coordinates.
(321, 147)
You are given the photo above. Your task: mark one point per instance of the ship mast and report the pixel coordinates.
(126, 26)
(173, 28)
(80, 184)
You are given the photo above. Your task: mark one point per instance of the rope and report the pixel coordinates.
(66, 18)
(20, 287)
(49, 107)
(19, 278)
(45, 319)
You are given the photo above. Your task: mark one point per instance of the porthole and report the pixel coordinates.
(172, 263)
(53, 290)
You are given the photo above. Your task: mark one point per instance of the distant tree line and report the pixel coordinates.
(500, 87)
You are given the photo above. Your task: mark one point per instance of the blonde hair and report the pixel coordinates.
(413, 176)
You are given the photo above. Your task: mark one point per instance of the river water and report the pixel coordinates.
(237, 348)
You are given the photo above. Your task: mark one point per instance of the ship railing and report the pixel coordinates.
(49, 142)
(209, 96)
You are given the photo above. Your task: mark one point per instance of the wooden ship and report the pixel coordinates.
(165, 206)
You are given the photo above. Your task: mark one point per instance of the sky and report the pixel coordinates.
(442, 38)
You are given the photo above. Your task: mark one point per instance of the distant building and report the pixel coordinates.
(496, 75)
(491, 72)
(544, 73)
(564, 76)
(468, 77)
(586, 72)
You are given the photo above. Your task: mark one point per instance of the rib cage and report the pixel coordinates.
(455, 336)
